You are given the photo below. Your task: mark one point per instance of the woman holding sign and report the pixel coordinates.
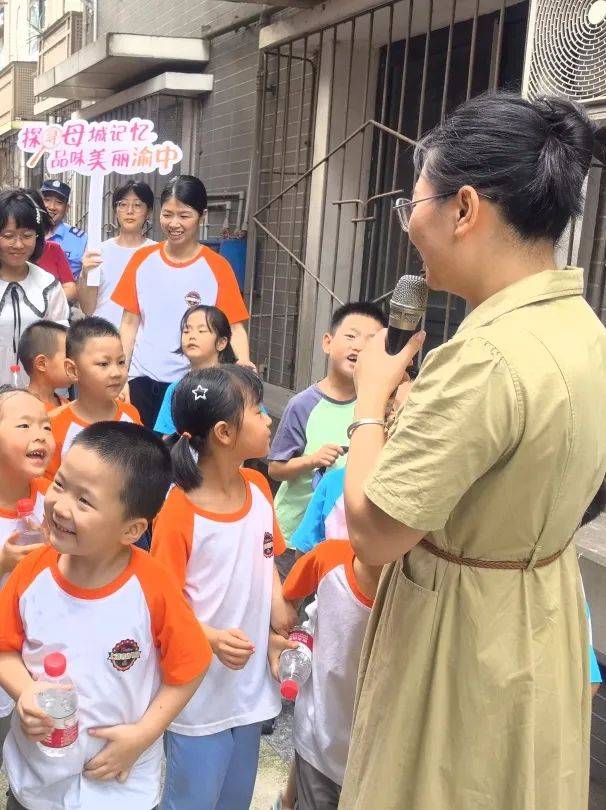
(160, 283)
(133, 205)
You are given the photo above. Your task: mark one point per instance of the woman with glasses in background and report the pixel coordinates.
(27, 292)
(133, 205)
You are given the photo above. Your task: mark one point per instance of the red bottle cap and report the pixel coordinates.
(25, 507)
(55, 664)
(289, 689)
(15, 369)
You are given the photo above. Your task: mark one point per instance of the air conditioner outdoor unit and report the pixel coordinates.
(566, 56)
(566, 52)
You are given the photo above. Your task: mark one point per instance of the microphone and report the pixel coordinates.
(406, 308)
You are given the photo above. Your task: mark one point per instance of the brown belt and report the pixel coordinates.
(511, 565)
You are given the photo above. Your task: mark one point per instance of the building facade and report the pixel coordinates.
(301, 120)
(301, 117)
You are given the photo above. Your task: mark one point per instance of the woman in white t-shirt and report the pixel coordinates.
(133, 204)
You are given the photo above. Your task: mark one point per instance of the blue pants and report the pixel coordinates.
(216, 772)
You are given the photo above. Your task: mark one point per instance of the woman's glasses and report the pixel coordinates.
(137, 207)
(403, 206)
(11, 238)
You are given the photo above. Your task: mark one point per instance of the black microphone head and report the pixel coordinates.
(411, 291)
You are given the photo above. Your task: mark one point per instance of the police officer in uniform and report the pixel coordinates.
(73, 241)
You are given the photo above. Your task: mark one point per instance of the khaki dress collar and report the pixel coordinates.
(531, 290)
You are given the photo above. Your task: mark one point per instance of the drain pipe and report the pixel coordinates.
(240, 21)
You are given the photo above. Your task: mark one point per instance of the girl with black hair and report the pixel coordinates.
(205, 341)
(164, 280)
(133, 206)
(474, 686)
(217, 532)
(27, 292)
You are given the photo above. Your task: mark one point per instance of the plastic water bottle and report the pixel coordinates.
(29, 527)
(15, 370)
(61, 705)
(295, 664)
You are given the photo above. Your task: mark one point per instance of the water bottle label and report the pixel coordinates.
(65, 732)
(305, 641)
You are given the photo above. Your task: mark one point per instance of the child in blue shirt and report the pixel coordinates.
(205, 341)
(325, 513)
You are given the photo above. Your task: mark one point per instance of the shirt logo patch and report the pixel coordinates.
(124, 654)
(193, 298)
(268, 544)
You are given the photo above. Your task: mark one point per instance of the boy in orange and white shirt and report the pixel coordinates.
(97, 365)
(134, 649)
(345, 589)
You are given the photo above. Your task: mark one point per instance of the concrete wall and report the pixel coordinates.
(160, 17)
(19, 45)
(226, 115)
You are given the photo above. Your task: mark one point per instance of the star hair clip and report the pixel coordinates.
(199, 392)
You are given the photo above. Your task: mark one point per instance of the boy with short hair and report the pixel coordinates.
(312, 434)
(42, 355)
(97, 365)
(134, 649)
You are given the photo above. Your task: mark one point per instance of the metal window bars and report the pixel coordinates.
(339, 113)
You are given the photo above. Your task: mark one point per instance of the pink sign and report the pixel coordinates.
(97, 148)
(91, 147)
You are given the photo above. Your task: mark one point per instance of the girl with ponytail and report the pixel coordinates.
(218, 533)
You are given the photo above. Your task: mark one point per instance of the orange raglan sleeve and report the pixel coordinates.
(229, 297)
(254, 477)
(12, 632)
(173, 533)
(125, 292)
(308, 571)
(185, 653)
(129, 409)
(60, 420)
(303, 577)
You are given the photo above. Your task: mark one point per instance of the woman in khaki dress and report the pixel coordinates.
(474, 683)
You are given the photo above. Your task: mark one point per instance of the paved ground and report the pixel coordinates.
(276, 753)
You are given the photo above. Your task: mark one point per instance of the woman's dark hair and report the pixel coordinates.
(201, 400)
(18, 204)
(529, 157)
(188, 190)
(218, 324)
(47, 220)
(139, 189)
